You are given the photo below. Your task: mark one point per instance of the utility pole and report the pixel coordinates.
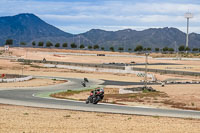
(145, 78)
(188, 15)
(22, 70)
(26, 52)
(79, 41)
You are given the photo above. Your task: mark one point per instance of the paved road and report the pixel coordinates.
(28, 97)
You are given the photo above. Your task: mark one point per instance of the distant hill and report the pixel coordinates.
(28, 27)
(161, 37)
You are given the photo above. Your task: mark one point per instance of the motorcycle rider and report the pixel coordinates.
(96, 96)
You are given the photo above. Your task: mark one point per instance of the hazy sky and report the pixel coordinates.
(77, 16)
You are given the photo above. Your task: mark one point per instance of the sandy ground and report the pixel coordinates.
(31, 83)
(187, 94)
(19, 119)
(178, 96)
(38, 53)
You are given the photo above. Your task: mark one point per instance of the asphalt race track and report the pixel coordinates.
(121, 83)
(31, 97)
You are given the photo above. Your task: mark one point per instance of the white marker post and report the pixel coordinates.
(145, 78)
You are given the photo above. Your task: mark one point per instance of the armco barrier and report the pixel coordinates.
(111, 67)
(168, 71)
(97, 69)
(73, 64)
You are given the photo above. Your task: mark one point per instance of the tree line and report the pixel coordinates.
(138, 48)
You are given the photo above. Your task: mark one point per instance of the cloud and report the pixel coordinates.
(120, 19)
(107, 14)
(167, 8)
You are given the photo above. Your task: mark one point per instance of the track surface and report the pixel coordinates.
(28, 97)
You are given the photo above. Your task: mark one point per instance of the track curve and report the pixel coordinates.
(26, 97)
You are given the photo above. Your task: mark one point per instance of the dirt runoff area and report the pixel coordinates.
(32, 83)
(19, 119)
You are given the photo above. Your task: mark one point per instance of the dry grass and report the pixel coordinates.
(67, 94)
(189, 55)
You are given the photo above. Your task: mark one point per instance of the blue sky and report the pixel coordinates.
(77, 16)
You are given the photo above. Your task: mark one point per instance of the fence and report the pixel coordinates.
(168, 71)
(20, 79)
(93, 67)
(73, 64)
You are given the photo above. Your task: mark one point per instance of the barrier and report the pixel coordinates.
(16, 79)
(91, 67)
(168, 71)
(97, 69)
(73, 64)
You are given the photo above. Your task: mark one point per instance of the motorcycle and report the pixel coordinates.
(86, 80)
(95, 96)
(83, 84)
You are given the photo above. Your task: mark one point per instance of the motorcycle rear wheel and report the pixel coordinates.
(96, 100)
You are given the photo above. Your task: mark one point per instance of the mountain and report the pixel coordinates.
(28, 27)
(154, 37)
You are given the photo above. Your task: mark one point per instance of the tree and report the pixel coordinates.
(102, 48)
(89, 47)
(195, 49)
(157, 49)
(22, 43)
(165, 49)
(112, 49)
(33, 43)
(40, 44)
(138, 48)
(49, 44)
(65, 45)
(120, 49)
(57, 45)
(181, 48)
(171, 50)
(73, 45)
(9, 42)
(148, 49)
(82, 46)
(187, 49)
(129, 49)
(96, 46)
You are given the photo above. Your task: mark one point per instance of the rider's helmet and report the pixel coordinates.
(101, 89)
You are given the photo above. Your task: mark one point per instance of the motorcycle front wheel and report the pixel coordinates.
(87, 101)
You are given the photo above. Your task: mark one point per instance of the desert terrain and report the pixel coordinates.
(26, 119)
(19, 119)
